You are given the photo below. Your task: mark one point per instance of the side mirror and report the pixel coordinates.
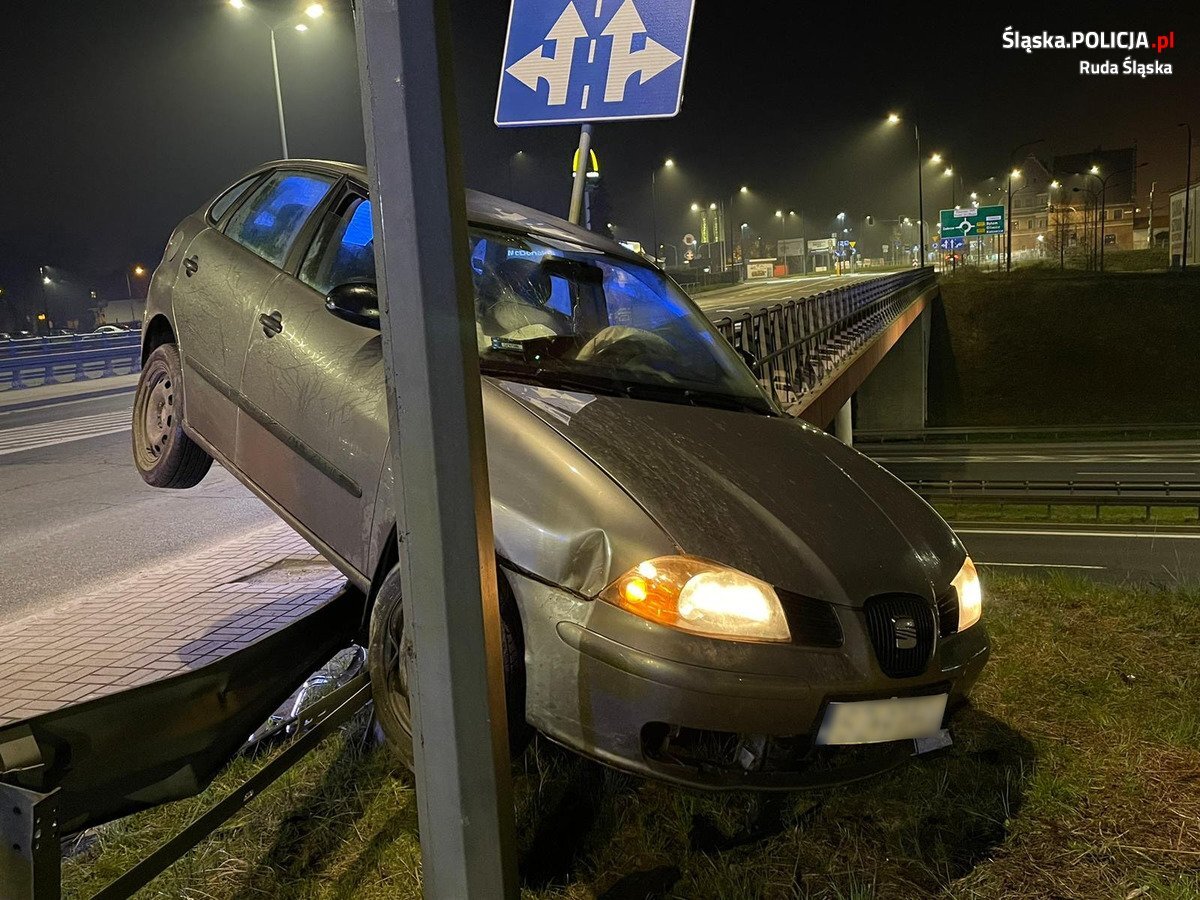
(357, 302)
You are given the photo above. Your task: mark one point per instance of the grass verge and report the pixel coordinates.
(1044, 348)
(1066, 513)
(1075, 774)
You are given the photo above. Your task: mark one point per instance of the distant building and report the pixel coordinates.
(1093, 201)
(1177, 209)
(1030, 217)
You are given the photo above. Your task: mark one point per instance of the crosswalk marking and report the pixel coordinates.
(49, 434)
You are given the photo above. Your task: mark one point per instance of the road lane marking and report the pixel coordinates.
(1110, 534)
(1041, 565)
(65, 431)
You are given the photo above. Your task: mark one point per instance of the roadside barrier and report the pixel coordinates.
(798, 344)
(37, 361)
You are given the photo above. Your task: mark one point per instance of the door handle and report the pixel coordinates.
(272, 323)
(191, 266)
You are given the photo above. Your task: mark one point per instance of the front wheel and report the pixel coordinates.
(164, 455)
(390, 652)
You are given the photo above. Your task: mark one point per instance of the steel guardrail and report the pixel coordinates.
(99, 356)
(1144, 493)
(797, 344)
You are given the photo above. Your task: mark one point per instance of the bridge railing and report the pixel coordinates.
(799, 343)
(72, 358)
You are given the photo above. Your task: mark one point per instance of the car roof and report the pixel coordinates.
(485, 209)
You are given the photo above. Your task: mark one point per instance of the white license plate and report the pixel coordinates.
(876, 721)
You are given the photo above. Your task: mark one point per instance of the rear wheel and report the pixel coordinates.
(164, 455)
(389, 654)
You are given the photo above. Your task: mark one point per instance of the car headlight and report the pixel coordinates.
(703, 597)
(970, 595)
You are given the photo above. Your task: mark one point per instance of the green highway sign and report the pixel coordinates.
(972, 221)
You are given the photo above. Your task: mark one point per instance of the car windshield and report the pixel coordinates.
(565, 316)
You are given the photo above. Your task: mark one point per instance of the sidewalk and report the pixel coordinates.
(46, 394)
(160, 622)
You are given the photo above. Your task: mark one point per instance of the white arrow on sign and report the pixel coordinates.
(556, 69)
(652, 60)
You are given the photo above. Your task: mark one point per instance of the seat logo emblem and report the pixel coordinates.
(905, 628)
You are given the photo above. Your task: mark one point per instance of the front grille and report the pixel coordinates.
(901, 627)
(947, 609)
(813, 623)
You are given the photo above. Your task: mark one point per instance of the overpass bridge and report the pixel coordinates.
(866, 341)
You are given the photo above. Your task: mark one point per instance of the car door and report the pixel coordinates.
(226, 270)
(313, 429)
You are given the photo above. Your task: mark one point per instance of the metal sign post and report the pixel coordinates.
(456, 686)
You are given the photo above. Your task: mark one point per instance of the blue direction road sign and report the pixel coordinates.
(952, 243)
(592, 60)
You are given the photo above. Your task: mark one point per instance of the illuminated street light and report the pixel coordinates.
(974, 196)
(1054, 185)
(744, 190)
(937, 158)
(45, 279)
(1016, 173)
(313, 11)
(894, 119)
(949, 171)
(1094, 170)
(139, 271)
(695, 207)
(712, 206)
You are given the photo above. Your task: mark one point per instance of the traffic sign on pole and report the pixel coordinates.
(593, 60)
(972, 221)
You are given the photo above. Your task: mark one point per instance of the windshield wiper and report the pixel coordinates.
(635, 390)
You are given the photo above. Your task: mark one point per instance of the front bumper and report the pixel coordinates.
(710, 713)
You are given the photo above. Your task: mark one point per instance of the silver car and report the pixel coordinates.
(693, 586)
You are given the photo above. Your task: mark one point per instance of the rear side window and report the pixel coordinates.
(270, 220)
(230, 197)
(344, 250)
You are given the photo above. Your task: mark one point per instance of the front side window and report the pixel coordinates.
(267, 224)
(343, 251)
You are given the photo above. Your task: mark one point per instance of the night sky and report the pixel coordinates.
(120, 117)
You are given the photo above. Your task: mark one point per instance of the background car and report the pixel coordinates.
(684, 589)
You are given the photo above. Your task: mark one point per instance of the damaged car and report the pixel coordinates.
(694, 587)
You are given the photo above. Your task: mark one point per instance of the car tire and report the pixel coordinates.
(389, 651)
(163, 453)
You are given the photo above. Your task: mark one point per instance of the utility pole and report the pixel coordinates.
(920, 194)
(441, 493)
(1187, 197)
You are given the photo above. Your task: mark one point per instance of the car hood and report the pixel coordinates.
(771, 496)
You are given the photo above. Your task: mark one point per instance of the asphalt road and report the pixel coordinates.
(754, 295)
(75, 513)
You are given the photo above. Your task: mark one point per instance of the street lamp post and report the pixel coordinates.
(512, 181)
(1104, 204)
(1013, 171)
(313, 11)
(1187, 198)
(894, 119)
(667, 164)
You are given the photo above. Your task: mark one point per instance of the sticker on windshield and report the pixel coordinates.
(561, 405)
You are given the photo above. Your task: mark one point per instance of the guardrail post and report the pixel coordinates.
(30, 854)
